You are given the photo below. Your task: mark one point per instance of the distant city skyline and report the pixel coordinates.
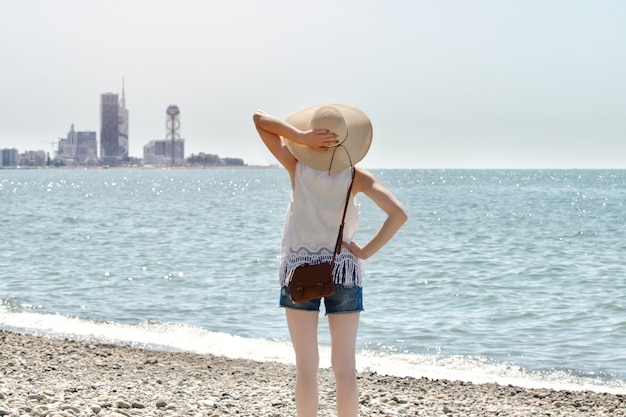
(80, 148)
(446, 83)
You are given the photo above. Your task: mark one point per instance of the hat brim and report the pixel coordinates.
(352, 150)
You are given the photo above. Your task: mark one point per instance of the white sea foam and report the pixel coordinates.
(177, 337)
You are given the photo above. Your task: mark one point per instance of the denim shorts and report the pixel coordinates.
(346, 299)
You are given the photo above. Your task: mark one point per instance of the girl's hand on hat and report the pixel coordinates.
(319, 139)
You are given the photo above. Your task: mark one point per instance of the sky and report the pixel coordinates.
(446, 83)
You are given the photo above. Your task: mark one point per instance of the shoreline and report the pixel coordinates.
(53, 376)
(151, 167)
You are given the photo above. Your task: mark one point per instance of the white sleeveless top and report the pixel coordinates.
(312, 224)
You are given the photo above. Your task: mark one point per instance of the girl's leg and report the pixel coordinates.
(343, 331)
(303, 331)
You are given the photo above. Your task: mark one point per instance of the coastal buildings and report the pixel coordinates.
(8, 156)
(122, 131)
(79, 148)
(171, 150)
(86, 148)
(113, 128)
(159, 152)
(109, 133)
(33, 158)
(68, 146)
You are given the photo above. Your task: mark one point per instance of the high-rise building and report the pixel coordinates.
(123, 126)
(109, 131)
(113, 128)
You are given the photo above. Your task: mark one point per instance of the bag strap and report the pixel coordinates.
(343, 218)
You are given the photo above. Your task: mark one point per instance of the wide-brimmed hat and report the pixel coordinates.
(352, 127)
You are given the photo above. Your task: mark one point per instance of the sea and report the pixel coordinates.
(499, 276)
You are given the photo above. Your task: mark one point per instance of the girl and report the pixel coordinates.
(318, 146)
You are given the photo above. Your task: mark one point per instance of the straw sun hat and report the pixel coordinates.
(352, 127)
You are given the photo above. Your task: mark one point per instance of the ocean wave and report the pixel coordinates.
(194, 339)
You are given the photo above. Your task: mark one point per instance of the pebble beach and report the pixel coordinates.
(54, 377)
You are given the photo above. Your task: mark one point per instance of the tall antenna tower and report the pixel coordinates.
(172, 126)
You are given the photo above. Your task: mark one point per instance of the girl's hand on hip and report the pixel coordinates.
(355, 249)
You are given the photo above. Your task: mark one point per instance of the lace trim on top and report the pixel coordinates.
(348, 270)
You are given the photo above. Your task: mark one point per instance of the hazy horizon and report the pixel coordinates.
(447, 84)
